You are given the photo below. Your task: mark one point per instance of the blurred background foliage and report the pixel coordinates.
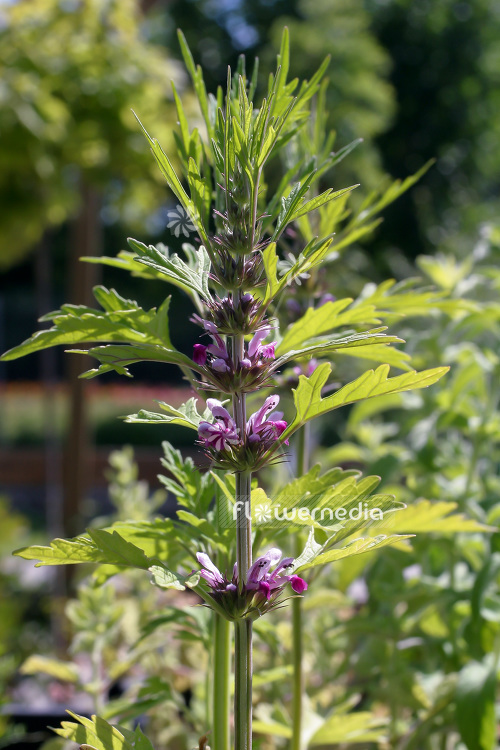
(415, 80)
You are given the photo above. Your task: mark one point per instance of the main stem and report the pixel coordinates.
(221, 682)
(298, 614)
(243, 629)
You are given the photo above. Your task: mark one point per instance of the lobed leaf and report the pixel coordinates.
(121, 321)
(356, 547)
(191, 277)
(310, 404)
(100, 735)
(186, 415)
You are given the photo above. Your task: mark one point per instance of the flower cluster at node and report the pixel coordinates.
(259, 590)
(233, 316)
(252, 371)
(228, 448)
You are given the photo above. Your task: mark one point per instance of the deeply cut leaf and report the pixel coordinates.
(310, 404)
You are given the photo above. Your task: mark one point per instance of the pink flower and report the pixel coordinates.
(264, 582)
(298, 584)
(220, 433)
(268, 350)
(266, 427)
(256, 349)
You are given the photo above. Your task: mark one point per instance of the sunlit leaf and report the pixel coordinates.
(310, 404)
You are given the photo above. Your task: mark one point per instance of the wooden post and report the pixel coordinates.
(86, 239)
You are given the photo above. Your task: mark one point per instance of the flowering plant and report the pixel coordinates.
(235, 278)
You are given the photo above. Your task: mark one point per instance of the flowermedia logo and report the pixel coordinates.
(277, 514)
(179, 222)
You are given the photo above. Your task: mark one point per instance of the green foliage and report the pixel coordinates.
(360, 100)
(145, 332)
(310, 404)
(112, 546)
(70, 78)
(100, 735)
(231, 168)
(186, 415)
(476, 718)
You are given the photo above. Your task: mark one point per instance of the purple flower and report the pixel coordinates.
(217, 348)
(220, 365)
(268, 350)
(264, 582)
(199, 354)
(327, 297)
(209, 572)
(256, 349)
(220, 433)
(309, 369)
(265, 427)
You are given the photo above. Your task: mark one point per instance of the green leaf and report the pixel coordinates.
(321, 320)
(273, 728)
(121, 321)
(201, 192)
(312, 255)
(186, 415)
(356, 547)
(165, 579)
(360, 726)
(118, 358)
(191, 276)
(126, 261)
(196, 74)
(126, 544)
(371, 344)
(97, 733)
(475, 704)
(393, 192)
(61, 670)
(380, 353)
(311, 550)
(175, 184)
(118, 550)
(319, 200)
(425, 516)
(310, 404)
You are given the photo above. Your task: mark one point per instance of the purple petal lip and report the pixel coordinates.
(199, 354)
(268, 350)
(298, 584)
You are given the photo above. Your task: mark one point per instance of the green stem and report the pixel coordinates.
(243, 629)
(221, 682)
(298, 674)
(243, 685)
(297, 613)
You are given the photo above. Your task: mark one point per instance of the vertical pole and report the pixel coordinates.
(86, 240)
